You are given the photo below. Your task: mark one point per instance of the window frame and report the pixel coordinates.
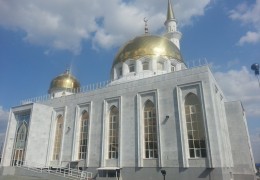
(150, 131)
(160, 66)
(131, 68)
(57, 146)
(173, 68)
(21, 135)
(120, 71)
(145, 66)
(195, 127)
(83, 136)
(113, 133)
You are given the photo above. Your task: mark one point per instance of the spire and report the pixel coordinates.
(170, 13)
(171, 26)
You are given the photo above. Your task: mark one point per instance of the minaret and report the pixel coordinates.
(171, 26)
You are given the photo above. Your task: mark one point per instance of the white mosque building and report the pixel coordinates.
(155, 116)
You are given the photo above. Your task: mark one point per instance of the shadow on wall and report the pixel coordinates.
(206, 173)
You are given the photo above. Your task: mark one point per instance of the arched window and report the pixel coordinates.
(172, 68)
(58, 138)
(19, 151)
(145, 65)
(131, 68)
(150, 130)
(21, 136)
(160, 66)
(83, 141)
(113, 133)
(120, 71)
(195, 127)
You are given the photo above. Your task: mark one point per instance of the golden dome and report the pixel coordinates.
(148, 45)
(64, 81)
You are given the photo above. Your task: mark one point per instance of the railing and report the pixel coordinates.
(196, 63)
(65, 172)
(83, 89)
(95, 86)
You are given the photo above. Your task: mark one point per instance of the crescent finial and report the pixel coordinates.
(145, 25)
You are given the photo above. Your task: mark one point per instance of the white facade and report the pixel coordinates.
(153, 116)
(167, 92)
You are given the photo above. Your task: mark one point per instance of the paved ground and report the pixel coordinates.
(20, 178)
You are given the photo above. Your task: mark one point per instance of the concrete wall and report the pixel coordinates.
(167, 92)
(38, 136)
(11, 132)
(239, 139)
(164, 89)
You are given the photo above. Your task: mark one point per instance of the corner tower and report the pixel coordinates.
(171, 26)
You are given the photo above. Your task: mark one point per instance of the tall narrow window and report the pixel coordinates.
(145, 66)
(83, 141)
(150, 131)
(113, 133)
(19, 152)
(195, 127)
(131, 68)
(172, 68)
(58, 138)
(21, 136)
(160, 66)
(120, 71)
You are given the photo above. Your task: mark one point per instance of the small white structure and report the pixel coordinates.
(155, 114)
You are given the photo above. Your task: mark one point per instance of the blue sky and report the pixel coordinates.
(40, 39)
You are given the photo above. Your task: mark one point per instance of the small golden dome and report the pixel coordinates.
(64, 81)
(148, 45)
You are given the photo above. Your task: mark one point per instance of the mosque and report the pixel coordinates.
(156, 118)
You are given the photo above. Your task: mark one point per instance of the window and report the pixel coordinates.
(120, 71)
(21, 136)
(145, 66)
(113, 133)
(172, 68)
(83, 141)
(150, 131)
(19, 152)
(195, 128)
(160, 66)
(58, 138)
(131, 68)
(109, 173)
(19, 146)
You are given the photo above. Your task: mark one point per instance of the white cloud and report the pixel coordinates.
(65, 24)
(248, 15)
(232, 63)
(250, 37)
(3, 115)
(241, 85)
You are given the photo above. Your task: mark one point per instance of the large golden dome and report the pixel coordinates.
(64, 81)
(148, 45)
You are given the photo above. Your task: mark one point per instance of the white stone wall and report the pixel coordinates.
(139, 73)
(131, 95)
(11, 133)
(39, 135)
(239, 139)
(166, 91)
